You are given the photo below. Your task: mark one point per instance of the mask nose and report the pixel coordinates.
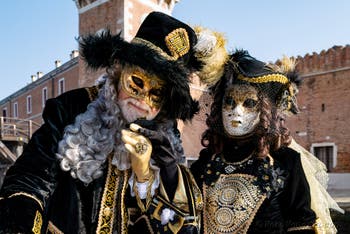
(237, 110)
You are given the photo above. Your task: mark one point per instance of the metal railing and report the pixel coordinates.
(14, 129)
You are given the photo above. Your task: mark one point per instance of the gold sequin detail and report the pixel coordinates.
(265, 79)
(231, 204)
(178, 43)
(38, 222)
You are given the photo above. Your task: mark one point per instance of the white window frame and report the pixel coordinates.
(15, 110)
(61, 86)
(29, 104)
(43, 98)
(325, 144)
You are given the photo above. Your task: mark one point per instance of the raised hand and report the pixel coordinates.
(140, 149)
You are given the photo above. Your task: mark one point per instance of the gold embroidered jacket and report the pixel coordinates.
(38, 197)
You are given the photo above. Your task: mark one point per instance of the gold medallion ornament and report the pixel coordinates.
(231, 204)
(178, 43)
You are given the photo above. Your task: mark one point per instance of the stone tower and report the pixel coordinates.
(119, 16)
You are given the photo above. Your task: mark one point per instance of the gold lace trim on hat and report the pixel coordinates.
(141, 41)
(177, 42)
(265, 79)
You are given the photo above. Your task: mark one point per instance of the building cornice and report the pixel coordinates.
(324, 72)
(64, 67)
(89, 6)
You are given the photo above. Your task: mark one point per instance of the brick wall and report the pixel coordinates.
(324, 102)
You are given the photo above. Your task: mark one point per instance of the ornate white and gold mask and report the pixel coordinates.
(240, 112)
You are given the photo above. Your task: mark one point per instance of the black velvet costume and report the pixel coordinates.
(287, 201)
(36, 184)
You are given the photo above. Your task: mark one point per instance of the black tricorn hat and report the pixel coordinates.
(163, 46)
(277, 81)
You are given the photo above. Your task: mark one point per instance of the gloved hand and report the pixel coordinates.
(167, 150)
(140, 149)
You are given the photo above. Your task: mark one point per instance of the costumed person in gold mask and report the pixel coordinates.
(252, 181)
(106, 159)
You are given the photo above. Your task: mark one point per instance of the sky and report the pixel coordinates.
(36, 33)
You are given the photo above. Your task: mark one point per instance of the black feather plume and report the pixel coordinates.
(97, 50)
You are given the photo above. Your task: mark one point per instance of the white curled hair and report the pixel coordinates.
(95, 133)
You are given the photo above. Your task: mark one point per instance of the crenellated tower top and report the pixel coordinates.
(334, 58)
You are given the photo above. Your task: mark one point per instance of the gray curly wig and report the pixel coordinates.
(95, 134)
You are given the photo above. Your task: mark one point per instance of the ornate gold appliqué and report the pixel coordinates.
(108, 203)
(38, 222)
(177, 42)
(231, 204)
(92, 92)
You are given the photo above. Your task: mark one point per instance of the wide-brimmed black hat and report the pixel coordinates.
(163, 46)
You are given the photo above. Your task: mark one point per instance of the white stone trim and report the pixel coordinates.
(29, 105)
(128, 16)
(154, 6)
(92, 5)
(61, 89)
(15, 113)
(43, 99)
(324, 144)
(325, 72)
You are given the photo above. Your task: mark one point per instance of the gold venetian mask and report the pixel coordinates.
(141, 85)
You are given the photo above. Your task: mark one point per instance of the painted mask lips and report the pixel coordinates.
(235, 123)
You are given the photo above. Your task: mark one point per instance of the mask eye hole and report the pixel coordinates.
(156, 95)
(156, 92)
(250, 103)
(229, 101)
(137, 81)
